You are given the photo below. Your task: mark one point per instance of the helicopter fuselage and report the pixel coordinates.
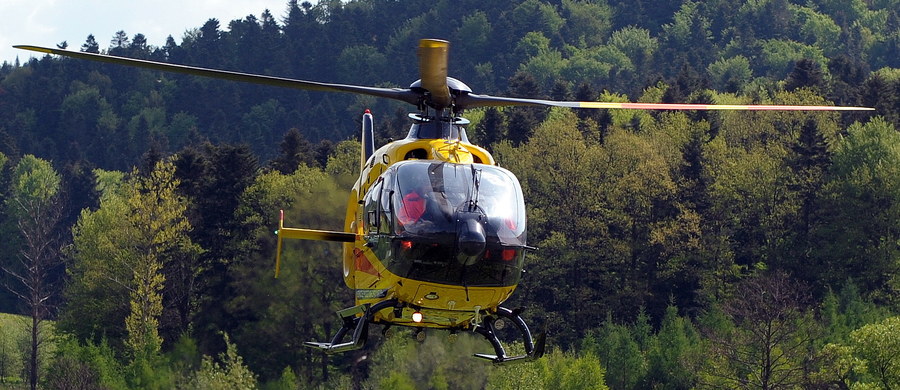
(463, 255)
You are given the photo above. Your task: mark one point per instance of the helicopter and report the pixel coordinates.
(435, 231)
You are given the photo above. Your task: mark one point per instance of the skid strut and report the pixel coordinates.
(533, 350)
(358, 324)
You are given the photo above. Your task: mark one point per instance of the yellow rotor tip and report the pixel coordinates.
(433, 43)
(34, 48)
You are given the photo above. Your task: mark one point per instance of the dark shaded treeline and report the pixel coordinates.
(68, 110)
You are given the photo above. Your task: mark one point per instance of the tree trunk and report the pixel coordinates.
(35, 333)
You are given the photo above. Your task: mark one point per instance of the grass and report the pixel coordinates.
(15, 338)
(12, 329)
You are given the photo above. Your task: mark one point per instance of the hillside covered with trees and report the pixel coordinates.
(677, 250)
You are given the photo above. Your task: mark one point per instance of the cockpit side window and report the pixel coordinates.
(386, 210)
(371, 206)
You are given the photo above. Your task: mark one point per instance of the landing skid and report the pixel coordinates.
(360, 327)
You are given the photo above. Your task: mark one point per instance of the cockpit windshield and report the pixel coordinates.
(461, 224)
(431, 194)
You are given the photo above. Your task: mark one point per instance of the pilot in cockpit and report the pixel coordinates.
(420, 204)
(416, 194)
(412, 206)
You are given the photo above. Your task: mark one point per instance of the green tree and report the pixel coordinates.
(259, 126)
(35, 203)
(880, 90)
(838, 367)
(559, 175)
(730, 74)
(90, 122)
(521, 121)
(123, 257)
(576, 372)
(687, 40)
(213, 178)
(879, 346)
(97, 300)
(806, 74)
(864, 179)
(90, 45)
(160, 236)
(473, 36)
(748, 201)
(779, 55)
(587, 23)
(294, 150)
(491, 129)
(564, 370)
(676, 346)
(436, 363)
(620, 353)
(818, 29)
(772, 337)
(535, 15)
(310, 282)
(637, 44)
(231, 373)
(86, 365)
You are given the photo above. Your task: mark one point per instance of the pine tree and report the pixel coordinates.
(294, 150)
(806, 74)
(522, 121)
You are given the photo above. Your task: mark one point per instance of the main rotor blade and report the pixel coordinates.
(402, 94)
(433, 70)
(473, 100)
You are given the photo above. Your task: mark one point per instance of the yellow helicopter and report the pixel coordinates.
(435, 230)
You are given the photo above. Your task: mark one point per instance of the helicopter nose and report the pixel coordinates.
(471, 237)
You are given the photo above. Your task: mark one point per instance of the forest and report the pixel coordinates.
(676, 250)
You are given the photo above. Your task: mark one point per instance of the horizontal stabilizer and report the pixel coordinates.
(305, 234)
(310, 234)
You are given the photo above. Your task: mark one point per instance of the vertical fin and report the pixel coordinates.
(278, 249)
(367, 139)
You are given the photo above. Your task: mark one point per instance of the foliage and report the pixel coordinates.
(86, 365)
(678, 213)
(34, 204)
(118, 256)
(730, 74)
(878, 345)
(865, 180)
(770, 341)
(231, 373)
(558, 369)
(10, 359)
(436, 363)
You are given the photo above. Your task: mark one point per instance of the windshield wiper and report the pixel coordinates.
(476, 183)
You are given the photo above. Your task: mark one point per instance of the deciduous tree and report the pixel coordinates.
(35, 203)
(121, 250)
(772, 336)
